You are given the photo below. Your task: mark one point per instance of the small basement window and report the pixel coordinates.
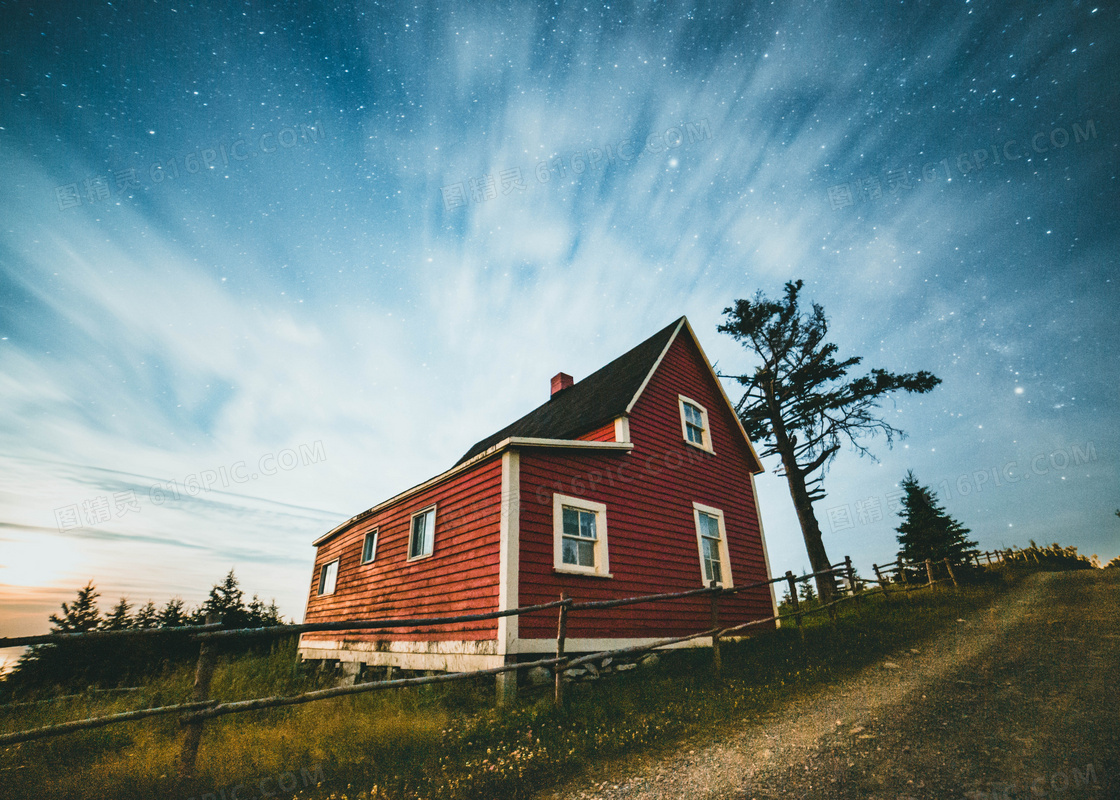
(328, 577)
(711, 538)
(694, 424)
(580, 536)
(422, 541)
(369, 547)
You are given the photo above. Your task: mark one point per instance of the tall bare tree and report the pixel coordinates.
(800, 404)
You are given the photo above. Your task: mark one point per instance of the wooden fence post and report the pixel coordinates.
(561, 635)
(852, 582)
(988, 555)
(952, 577)
(905, 578)
(929, 571)
(717, 664)
(833, 614)
(203, 674)
(882, 581)
(796, 604)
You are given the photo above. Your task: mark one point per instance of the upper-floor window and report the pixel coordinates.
(694, 424)
(711, 537)
(580, 536)
(328, 577)
(422, 540)
(369, 547)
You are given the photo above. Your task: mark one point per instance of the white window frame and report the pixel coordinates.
(375, 534)
(412, 521)
(706, 446)
(602, 563)
(724, 556)
(321, 589)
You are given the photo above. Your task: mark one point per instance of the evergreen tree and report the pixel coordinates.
(926, 530)
(147, 616)
(261, 616)
(119, 618)
(68, 663)
(806, 592)
(227, 601)
(82, 616)
(173, 615)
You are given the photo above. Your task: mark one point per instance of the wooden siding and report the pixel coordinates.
(460, 577)
(651, 532)
(603, 434)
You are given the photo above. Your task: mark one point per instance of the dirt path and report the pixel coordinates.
(1019, 701)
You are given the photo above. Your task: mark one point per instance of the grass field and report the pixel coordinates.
(446, 741)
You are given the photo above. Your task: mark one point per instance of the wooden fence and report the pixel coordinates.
(201, 707)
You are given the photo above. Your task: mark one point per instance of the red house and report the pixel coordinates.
(637, 479)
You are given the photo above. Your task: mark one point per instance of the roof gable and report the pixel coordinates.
(600, 397)
(607, 393)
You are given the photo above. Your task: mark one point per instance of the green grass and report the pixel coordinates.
(448, 741)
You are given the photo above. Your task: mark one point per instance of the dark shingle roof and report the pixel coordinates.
(594, 401)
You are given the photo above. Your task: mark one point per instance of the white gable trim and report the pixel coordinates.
(656, 364)
(723, 392)
(730, 406)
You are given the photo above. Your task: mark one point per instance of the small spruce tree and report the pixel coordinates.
(82, 616)
(172, 614)
(119, 618)
(227, 601)
(926, 530)
(147, 616)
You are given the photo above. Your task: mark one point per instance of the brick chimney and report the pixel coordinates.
(560, 382)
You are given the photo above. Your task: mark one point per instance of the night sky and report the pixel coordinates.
(341, 244)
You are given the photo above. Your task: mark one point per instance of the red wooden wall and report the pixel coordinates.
(460, 577)
(651, 533)
(601, 434)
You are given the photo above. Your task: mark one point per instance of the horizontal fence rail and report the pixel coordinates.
(124, 633)
(194, 713)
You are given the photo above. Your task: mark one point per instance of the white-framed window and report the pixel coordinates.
(328, 577)
(369, 547)
(694, 424)
(422, 539)
(711, 539)
(579, 530)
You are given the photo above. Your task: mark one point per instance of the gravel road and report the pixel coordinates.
(1021, 700)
